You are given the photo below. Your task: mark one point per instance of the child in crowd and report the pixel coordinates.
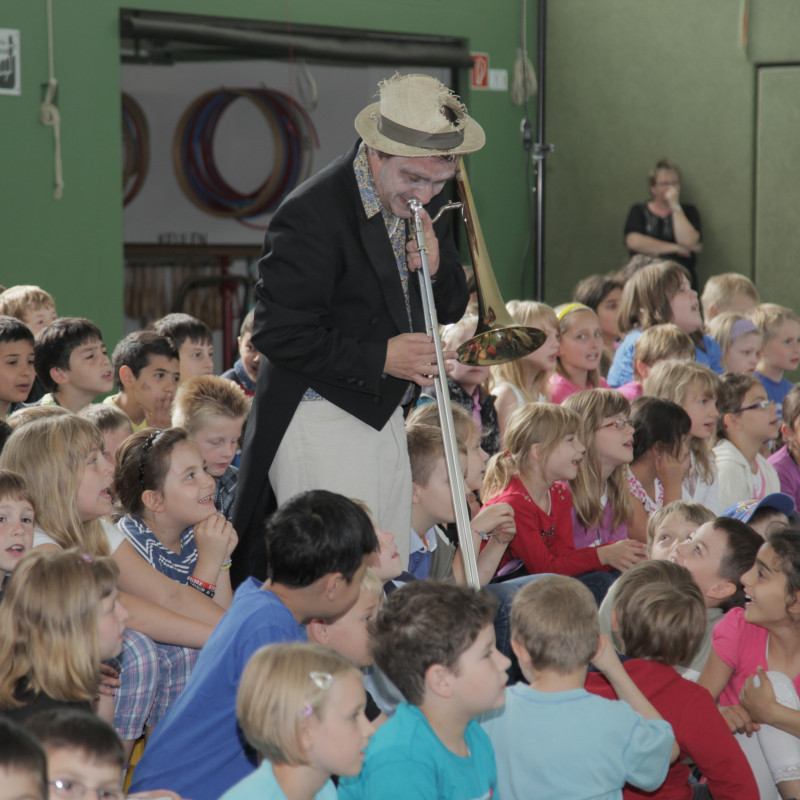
(660, 618)
(602, 294)
(544, 449)
(696, 389)
(600, 497)
(82, 751)
(435, 642)
(717, 554)
(553, 739)
(762, 707)
(72, 364)
(169, 515)
(432, 555)
(16, 364)
(786, 461)
(29, 304)
(245, 370)
(656, 344)
(666, 529)
(739, 340)
(525, 379)
(146, 374)
(317, 544)
(16, 523)
(780, 351)
(213, 412)
(468, 434)
(27, 414)
(764, 515)
(61, 616)
(579, 350)
(113, 424)
(728, 291)
(193, 341)
(660, 459)
(747, 419)
(349, 634)
(23, 766)
(69, 479)
(301, 708)
(656, 294)
(468, 384)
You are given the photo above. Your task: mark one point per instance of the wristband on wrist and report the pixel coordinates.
(208, 589)
(485, 536)
(225, 565)
(676, 209)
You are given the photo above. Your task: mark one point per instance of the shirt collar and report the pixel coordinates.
(370, 198)
(425, 543)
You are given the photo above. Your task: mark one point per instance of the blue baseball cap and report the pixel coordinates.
(744, 511)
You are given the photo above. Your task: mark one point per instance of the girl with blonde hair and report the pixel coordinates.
(600, 496)
(301, 708)
(525, 380)
(696, 389)
(61, 458)
(579, 351)
(60, 618)
(544, 452)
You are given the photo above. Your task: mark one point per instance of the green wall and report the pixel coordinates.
(627, 82)
(73, 246)
(630, 81)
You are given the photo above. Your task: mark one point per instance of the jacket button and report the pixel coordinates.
(375, 320)
(359, 383)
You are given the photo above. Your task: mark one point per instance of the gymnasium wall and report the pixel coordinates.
(627, 82)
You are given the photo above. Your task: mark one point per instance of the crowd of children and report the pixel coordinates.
(631, 487)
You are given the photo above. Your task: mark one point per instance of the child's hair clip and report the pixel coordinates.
(86, 557)
(307, 711)
(323, 680)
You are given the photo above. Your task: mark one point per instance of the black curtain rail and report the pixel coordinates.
(357, 49)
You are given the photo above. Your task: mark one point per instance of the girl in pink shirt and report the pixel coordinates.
(579, 351)
(763, 707)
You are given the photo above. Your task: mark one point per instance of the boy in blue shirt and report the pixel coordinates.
(435, 642)
(553, 739)
(316, 547)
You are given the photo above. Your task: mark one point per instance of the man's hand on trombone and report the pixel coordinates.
(412, 357)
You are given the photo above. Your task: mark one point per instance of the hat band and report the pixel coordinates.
(429, 141)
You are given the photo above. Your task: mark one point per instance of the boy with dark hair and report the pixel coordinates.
(192, 339)
(146, 374)
(82, 750)
(72, 363)
(660, 618)
(245, 370)
(317, 544)
(553, 735)
(23, 767)
(16, 364)
(436, 643)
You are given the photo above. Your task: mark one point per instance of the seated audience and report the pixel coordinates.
(552, 737)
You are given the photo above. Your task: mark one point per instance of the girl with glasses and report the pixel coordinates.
(747, 419)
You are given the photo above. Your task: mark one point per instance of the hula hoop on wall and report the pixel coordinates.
(294, 138)
(135, 148)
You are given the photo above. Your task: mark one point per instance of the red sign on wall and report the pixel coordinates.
(479, 75)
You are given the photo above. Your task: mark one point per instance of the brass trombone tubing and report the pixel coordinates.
(457, 490)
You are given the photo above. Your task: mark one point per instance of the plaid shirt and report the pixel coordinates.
(225, 492)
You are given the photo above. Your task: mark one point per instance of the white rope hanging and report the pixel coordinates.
(49, 111)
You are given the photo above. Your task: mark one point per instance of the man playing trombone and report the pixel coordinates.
(339, 317)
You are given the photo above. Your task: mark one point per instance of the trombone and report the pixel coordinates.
(498, 338)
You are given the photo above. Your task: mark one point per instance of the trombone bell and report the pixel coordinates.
(498, 338)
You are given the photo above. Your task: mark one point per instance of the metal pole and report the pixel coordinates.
(454, 472)
(540, 149)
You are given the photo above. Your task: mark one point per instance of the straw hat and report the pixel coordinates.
(418, 116)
